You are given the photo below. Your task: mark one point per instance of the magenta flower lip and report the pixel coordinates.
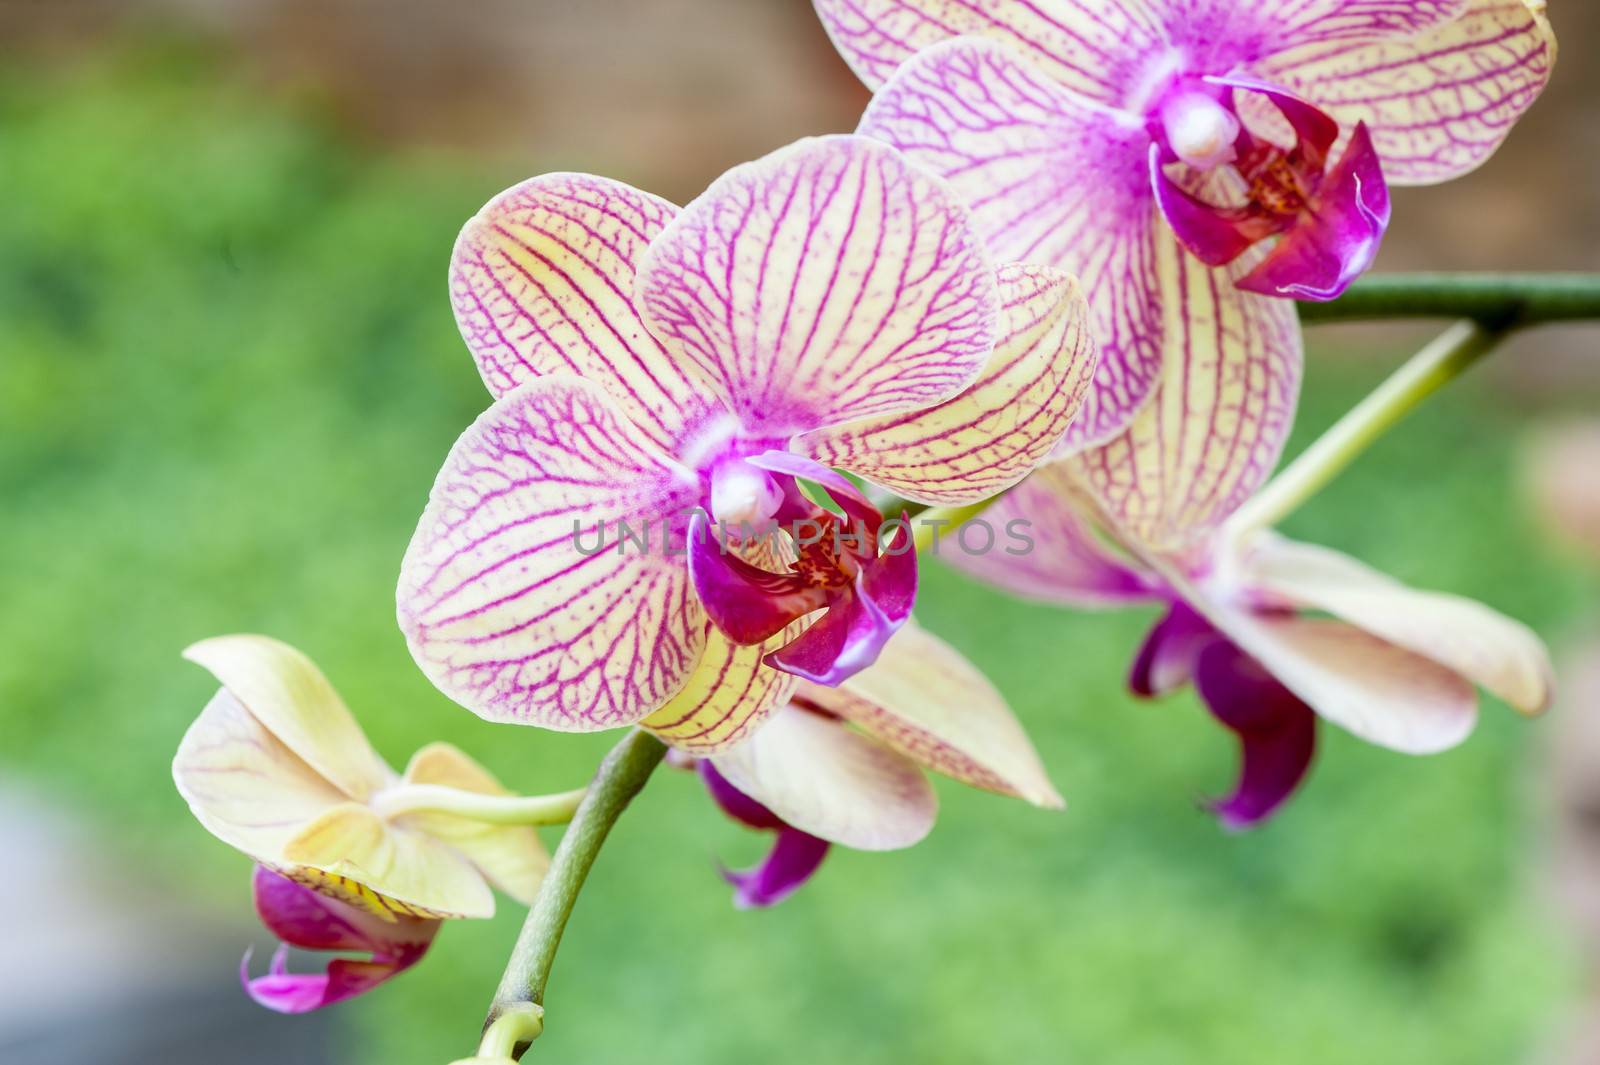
(307, 919)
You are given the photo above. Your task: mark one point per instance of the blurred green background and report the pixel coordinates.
(228, 373)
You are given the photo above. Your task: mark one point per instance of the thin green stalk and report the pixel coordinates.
(620, 777)
(1424, 374)
(1497, 302)
(490, 809)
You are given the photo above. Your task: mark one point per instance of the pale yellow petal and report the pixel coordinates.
(926, 701)
(244, 785)
(288, 694)
(1502, 655)
(351, 841)
(511, 856)
(837, 784)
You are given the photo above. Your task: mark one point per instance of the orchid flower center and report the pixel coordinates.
(742, 494)
(1330, 212)
(1198, 128)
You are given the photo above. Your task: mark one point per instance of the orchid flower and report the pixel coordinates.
(844, 765)
(352, 855)
(1182, 157)
(1275, 634)
(827, 307)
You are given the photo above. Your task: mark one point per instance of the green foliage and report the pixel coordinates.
(228, 374)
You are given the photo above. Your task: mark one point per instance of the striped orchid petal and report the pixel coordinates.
(730, 693)
(830, 782)
(827, 282)
(1049, 181)
(1217, 425)
(521, 598)
(923, 699)
(1502, 655)
(1056, 557)
(1096, 49)
(542, 281)
(1438, 102)
(1007, 422)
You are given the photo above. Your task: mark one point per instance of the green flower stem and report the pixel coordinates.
(1424, 374)
(620, 777)
(490, 809)
(1497, 302)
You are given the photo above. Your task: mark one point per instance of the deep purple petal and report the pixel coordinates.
(1337, 236)
(306, 919)
(747, 603)
(735, 803)
(850, 635)
(1314, 128)
(794, 857)
(1167, 658)
(1277, 732)
(1216, 235)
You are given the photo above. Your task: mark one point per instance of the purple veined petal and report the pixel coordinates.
(1277, 733)
(829, 281)
(1334, 20)
(521, 598)
(795, 857)
(826, 779)
(735, 803)
(1439, 101)
(747, 603)
(1217, 425)
(730, 694)
(303, 918)
(1216, 235)
(850, 635)
(1337, 238)
(1010, 420)
(542, 281)
(1047, 551)
(1168, 657)
(1092, 48)
(1049, 181)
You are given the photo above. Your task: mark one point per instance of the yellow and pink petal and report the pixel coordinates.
(519, 595)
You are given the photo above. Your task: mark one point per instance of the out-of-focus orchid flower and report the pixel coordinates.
(1153, 147)
(311, 920)
(276, 766)
(1274, 634)
(844, 765)
(826, 307)
(1564, 476)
